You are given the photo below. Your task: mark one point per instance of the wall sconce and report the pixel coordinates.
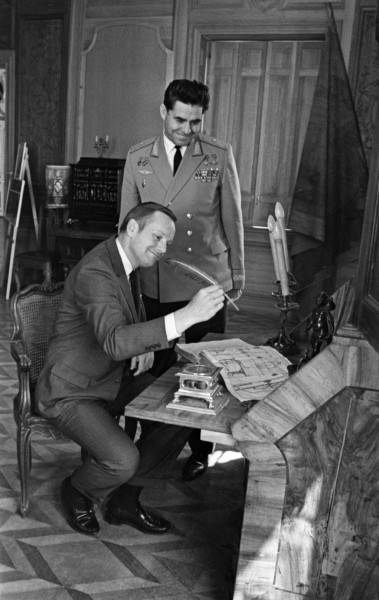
(101, 144)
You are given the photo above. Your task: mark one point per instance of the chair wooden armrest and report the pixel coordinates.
(20, 355)
(22, 404)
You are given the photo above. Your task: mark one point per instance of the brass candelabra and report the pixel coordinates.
(284, 342)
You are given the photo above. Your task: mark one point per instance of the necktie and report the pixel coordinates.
(134, 287)
(177, 159)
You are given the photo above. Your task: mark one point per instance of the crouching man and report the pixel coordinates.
(100, 341)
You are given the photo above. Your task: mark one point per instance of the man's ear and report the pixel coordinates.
(163, 111)
(132, 228)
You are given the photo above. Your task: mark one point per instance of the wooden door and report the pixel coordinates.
(261, 95)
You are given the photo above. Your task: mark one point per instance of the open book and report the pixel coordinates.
(249, 372)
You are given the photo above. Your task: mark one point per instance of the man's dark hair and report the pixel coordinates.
(143, 211)
(188, 92)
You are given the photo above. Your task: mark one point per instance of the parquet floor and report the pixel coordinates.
(41, 557)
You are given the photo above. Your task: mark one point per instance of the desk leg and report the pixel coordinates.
(216, 437)
(261, 522)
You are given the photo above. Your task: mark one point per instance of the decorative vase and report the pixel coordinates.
(58, 179)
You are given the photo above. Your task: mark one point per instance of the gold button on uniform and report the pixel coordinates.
(189, 216)
(189, 249)
(189, 233)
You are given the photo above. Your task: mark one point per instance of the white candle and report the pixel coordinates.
(283, 275)
(270, 227)
(279, 213)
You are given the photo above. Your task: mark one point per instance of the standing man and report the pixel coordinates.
(196, 177)
(100, 344)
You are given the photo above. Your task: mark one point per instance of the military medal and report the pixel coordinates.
(207, 175)
(209, 171)
(142, 163)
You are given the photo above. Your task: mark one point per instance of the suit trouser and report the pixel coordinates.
(163, 359)
(111, 457)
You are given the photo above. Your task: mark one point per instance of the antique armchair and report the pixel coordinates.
(33, 314)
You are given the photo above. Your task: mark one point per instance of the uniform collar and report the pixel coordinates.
(169, 146)
(197, 147)
(159, 144)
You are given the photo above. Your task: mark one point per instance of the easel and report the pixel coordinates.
(13, 206)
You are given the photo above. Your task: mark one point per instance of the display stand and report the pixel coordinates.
(13, 206)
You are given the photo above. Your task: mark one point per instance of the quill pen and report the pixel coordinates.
(197, 275)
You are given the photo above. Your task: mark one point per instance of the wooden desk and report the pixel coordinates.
(310, 518)
(151, 405)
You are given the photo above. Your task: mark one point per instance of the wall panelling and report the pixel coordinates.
(124, 72)
(365, 72)
(42, 49)
(6, 24)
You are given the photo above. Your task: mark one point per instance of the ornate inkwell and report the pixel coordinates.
(199, 389)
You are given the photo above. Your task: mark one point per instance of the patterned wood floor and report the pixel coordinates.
(42, 557)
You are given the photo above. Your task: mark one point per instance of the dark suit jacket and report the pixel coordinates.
(96, 333)
(205, 197)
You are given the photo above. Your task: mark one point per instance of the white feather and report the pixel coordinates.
(197, 274)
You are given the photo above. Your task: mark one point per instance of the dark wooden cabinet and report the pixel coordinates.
(96, 190)
(92, 213)
(72, 243)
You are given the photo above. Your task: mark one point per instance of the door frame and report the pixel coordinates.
(200, 35)
(7, 61)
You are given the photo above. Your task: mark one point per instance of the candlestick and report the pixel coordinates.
(279, 213)
(283, 342)
(101, 144)
(270, 227)
(283, 276)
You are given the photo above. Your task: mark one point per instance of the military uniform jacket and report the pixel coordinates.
(205, 197)
(97, 331)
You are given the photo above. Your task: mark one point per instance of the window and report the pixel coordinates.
(261, 96)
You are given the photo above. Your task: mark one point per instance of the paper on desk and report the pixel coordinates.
(249, 372)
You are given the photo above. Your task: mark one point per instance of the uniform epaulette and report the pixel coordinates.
(142, 144)
(207, 139)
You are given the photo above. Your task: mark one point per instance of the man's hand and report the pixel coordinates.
(142, 362)
(234, 294)
(202, 307)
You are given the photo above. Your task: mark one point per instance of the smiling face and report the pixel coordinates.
(182, 122)
(146, 243)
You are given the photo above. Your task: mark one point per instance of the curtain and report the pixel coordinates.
(330, 191)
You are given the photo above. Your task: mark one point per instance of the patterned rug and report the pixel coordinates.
(42, 557)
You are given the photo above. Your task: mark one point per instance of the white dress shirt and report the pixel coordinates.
(169, 320)
(171, 149)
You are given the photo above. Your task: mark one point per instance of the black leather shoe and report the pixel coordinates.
(79, 509)
(137, 517)
(194, 467)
